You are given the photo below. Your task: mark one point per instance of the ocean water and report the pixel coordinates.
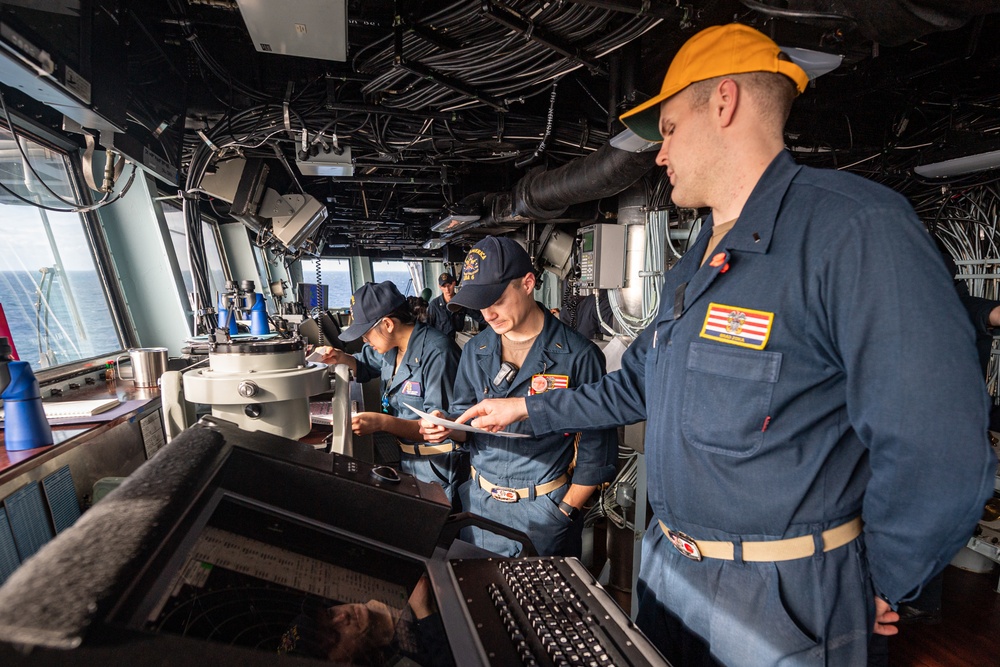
(49, 331)
(340, 284)
(70, 321)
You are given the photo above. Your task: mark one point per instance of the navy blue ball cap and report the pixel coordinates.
(489, 267)
(370, 304)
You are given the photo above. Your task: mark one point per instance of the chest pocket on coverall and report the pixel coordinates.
(727, 397)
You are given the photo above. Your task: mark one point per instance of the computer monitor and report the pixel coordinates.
(314, 296)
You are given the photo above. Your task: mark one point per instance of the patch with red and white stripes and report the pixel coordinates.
(737, 326)
(542, 383)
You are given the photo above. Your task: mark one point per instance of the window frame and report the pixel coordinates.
(97, 245)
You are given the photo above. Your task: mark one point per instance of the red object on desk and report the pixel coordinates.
(5, 332)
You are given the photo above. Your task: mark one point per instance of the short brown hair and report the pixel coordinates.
(772, 93)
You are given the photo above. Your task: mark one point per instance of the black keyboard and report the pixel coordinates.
(548, 612)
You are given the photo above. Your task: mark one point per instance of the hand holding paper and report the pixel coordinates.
(456, 426)
(495, 413)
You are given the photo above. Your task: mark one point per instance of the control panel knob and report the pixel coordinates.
(253, 410)
(248, 389)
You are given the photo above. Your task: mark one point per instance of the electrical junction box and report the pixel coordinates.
(602, 256)
(327, 163)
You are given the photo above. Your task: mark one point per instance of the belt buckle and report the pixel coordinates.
(684, 544)
(504, 494)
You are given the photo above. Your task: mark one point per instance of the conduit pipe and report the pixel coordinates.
(545, 195)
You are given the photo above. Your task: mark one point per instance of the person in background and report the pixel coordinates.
(449, 321)
(534, 485)
(584, 316)
(416, 365)
(815, 439)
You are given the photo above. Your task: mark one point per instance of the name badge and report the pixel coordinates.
(541, 383)
(411, 388)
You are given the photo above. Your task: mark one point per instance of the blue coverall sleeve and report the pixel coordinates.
(432, 317)
(914, 393)
(439, 369)
(597, 450)
(617, 399)
(466, 393)
(369, 363)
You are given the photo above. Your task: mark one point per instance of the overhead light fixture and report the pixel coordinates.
(961, 152)
(434, 244)
(957, 166)
(457, 218)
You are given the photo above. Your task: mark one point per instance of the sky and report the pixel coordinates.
(26, 248)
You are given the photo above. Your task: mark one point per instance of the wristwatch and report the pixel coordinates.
(569, 510)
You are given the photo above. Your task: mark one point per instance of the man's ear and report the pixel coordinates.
(725, 99)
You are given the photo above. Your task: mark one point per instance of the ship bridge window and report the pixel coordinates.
(174, 217)
(51, 291)
(337, 274)
(399, 273)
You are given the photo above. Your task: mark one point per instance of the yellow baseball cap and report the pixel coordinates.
(717, 51)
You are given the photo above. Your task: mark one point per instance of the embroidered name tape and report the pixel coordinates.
(541, 383)
(737, 326)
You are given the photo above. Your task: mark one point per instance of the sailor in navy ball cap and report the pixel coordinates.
(449, 322)
(489, 267)
(417, 366)
(536, 485)
(369, 305)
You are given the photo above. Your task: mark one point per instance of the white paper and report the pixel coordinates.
(455, 426)
(318, 353)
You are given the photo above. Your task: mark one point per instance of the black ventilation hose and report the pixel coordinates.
(543, 195)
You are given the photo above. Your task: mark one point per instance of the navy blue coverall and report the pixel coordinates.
(424, 380)
(817, 367)
(447, 322)
(517, 463)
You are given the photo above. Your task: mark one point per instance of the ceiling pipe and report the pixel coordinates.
(543, 195)
(546, 195)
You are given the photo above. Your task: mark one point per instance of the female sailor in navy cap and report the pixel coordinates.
(417, 365)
